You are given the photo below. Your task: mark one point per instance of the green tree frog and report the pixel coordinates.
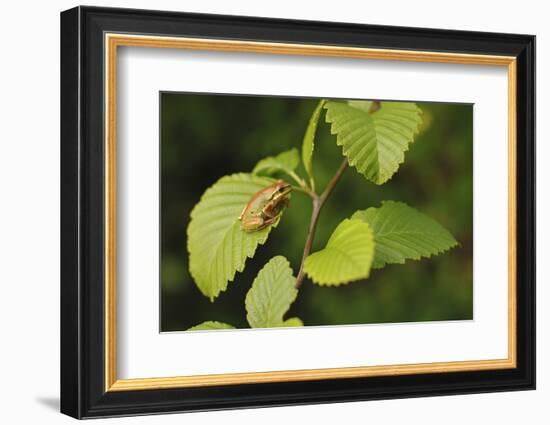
(265, 206)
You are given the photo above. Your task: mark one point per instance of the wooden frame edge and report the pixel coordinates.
(306, 375)
(512, 212)
(110, 212)
(113, 40)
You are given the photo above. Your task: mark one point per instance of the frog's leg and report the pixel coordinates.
(271, 211)
(269, 221)
(252, 224)
(267, 212)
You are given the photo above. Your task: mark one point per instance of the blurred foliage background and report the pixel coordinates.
(204, 137)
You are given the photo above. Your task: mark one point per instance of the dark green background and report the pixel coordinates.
(204, 137)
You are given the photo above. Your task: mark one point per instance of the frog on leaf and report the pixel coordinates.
(265, 206)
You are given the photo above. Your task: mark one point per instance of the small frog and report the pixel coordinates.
(265, 206)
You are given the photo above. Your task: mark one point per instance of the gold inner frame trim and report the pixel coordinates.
(113, 41)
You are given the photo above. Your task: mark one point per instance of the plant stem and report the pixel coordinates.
(305, 191)
(332, 183)
(297, 179)
(318, 202)
(309, 240)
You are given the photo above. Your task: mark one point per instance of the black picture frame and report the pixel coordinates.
(83, 392)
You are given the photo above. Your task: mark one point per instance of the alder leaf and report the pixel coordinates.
(308, 143)
(347, 256)
(210, 326)
(217, 246)
(271, 295)
(403, 233)
(374, 142)
(286, 162)
(292, 323)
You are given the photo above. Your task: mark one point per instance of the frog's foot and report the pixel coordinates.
(270, 221)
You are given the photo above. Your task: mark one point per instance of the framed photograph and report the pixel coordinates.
(261, 212)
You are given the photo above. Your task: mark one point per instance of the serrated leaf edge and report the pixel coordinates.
(274, 157)
(248, 296)
(315, 116)
(400, 161)
(346, 281)
(241, 266)
(420, 257)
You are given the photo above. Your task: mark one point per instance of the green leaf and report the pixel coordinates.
(217, 246)
(210, 326)
(309, 139)
(374, 142)
(271, 295)
(403, 233)
(292, 323)
(286, 162)
(347, 256)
